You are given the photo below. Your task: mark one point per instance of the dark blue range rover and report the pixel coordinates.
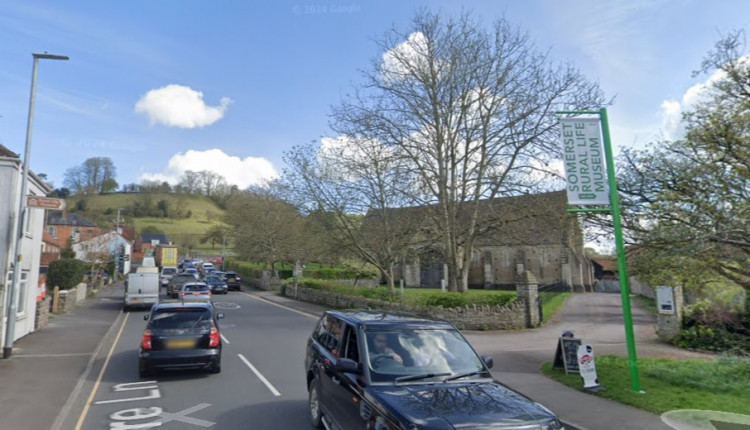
(374, 370)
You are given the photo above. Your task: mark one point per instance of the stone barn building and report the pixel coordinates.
(528, 232)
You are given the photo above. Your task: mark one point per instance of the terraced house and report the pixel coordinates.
(29, 288)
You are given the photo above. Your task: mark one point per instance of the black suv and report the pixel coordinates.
(177, 282)
(375, 370)
(232, 279)
(180, 335)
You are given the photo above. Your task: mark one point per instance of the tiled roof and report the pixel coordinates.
(532, 219)
(147, 238)
(61, 218)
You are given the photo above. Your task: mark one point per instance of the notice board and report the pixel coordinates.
(566, 354)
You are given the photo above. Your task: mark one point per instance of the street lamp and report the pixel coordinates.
(20, 219)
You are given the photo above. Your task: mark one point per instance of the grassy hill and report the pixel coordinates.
(179, 227)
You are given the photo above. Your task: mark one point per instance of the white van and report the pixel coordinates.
(141, 289)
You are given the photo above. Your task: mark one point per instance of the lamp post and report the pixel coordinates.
(20, 218)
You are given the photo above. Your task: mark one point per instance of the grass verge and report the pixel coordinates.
(720, 385)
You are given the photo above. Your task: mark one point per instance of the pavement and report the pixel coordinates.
(36, 395)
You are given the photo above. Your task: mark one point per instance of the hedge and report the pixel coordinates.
(65, 273)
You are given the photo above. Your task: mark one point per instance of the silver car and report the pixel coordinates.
(195, 291)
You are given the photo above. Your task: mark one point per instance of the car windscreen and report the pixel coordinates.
(196, 288)
(168, 271)
(181, 318)
(410, 354)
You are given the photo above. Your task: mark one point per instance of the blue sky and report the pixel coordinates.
(165, 86)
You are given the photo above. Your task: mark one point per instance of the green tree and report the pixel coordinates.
(217, 234)
(267, 228)
(687, 201)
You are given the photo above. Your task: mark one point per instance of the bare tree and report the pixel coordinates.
(190, 182)
(95, 175)
(471, 112)
(210, 181)
(348, 188)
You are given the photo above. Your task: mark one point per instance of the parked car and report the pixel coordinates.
(218, 286)
(195, 291)
(175, 284)
(369, 369)
(180, 335)
(233, 280)
(166, 274)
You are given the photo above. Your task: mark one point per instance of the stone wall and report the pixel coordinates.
(70, 298)
(510, 316)
(42, 313)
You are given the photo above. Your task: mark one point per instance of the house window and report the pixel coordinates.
(52, 231)
(22, 289)
(76, 236)
(28, 218)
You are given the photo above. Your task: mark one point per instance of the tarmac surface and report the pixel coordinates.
(49, 368)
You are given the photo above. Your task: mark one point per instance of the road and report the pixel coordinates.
(261, 384)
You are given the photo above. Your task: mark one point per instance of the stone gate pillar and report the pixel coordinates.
(527, 289)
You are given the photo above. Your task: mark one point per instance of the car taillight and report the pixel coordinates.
(146, 341)
(213, 338)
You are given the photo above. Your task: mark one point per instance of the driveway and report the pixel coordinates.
(595, 318)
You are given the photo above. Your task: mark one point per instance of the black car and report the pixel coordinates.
(176, 283)
(232, 279)
(375, 370)
(218, 286)
(180, 335)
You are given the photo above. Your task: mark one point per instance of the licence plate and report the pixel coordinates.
(135, 299)
(180, 343)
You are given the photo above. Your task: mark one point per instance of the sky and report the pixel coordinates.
(161, 87)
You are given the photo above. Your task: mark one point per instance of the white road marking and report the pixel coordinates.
(183, 417)
(224, 339)
(259, 375)
(282, 306)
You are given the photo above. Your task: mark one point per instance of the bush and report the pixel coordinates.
(65, 273)
(710, 326)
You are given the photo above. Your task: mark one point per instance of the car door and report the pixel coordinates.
(346, 389)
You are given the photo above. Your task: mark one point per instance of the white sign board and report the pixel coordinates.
(586, 366)
(583, 157)
(665, 300)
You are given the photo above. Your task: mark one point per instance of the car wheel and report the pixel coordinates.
(216, 367)
(316, 416)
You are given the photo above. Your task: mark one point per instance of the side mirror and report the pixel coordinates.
(488, 361)
(347, 365)
(145, 317)
(219, 316)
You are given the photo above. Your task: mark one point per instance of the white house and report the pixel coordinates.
(103, 248)
(29, 288)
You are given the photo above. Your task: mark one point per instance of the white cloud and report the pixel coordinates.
(409, 54)
(180, 106)
(242, 172)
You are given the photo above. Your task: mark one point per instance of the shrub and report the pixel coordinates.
(66, 273)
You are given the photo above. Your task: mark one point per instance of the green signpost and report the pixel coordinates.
(587, 186)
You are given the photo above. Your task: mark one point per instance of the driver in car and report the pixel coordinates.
(381, 348)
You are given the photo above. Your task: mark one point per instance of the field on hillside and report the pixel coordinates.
(102, 209)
